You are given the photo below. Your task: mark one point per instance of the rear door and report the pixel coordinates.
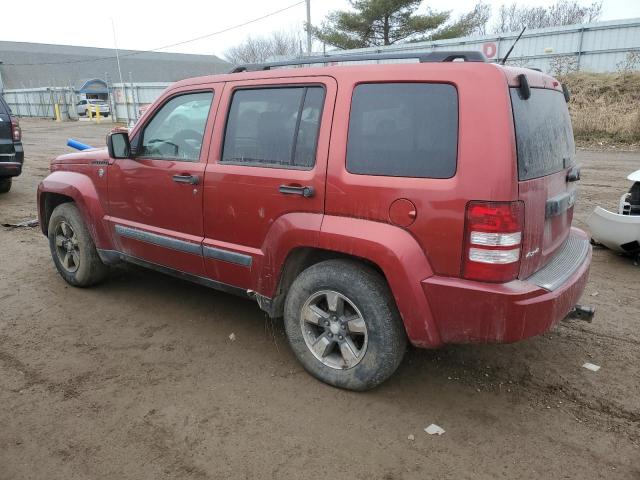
(268, 163)
(546, 154)
(6, 139)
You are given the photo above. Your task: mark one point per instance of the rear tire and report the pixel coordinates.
(5, 184)
(343, 325)
(72, 249)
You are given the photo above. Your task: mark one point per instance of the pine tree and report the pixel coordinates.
(385, 22)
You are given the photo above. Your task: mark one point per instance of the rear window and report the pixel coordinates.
(403, 130)
(544, 137)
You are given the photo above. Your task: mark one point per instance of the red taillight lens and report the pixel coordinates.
(16, 131)
(493, 235)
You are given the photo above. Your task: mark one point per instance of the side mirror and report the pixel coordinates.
(118, 145)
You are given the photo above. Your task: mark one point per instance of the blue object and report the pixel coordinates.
(77, 145)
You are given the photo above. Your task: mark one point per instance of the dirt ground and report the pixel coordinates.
(138, 379)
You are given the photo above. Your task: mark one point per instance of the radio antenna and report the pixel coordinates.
(511, 49)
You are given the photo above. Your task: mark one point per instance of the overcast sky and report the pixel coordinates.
(150, 24)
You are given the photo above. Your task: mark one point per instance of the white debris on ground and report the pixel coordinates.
(619, 231)
(411, 437)
(232, 337)
(591, 366)
(434, 429)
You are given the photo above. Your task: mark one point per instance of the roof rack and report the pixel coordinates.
(436, 56)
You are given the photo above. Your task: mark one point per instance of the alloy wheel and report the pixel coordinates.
(67, 248)
(334, 330)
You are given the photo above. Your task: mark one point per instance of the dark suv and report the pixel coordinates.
(365, 204)
(11, 152)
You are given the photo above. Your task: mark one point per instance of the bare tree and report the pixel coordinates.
(563, 65)
(514, 17)
(260, 49)
(470, 23)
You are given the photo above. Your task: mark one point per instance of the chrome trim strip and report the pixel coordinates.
(160, 240)
(227, 256)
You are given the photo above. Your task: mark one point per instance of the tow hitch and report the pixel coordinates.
(581, 312)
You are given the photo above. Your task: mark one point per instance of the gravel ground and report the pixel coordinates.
(138, 379)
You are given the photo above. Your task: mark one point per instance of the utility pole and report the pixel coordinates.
(124, 89)
(308, 27)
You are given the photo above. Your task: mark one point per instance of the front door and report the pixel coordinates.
(155, 198)
(266, 176)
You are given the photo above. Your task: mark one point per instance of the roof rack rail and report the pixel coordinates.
(435, 56)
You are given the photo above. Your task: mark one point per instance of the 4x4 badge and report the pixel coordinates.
(532, 253)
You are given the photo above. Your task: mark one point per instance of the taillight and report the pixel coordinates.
(16, 131)
(493, 235)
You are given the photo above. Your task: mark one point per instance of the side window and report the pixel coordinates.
(176, 131)
(275, 127)
(403, 130)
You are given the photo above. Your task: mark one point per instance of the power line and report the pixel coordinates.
(140, 52)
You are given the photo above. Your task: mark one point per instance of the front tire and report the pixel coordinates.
(5, 184)
(72, 249)
(343, 325)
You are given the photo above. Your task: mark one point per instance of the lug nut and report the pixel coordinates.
(330, 335)
(340, 337)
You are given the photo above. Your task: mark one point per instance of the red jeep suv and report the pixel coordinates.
(366, 204)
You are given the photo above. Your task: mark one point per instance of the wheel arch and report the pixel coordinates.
(390, 250)
(299, 259)
(48, 202)
(65, 187)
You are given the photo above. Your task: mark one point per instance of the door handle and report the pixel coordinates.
(573, 175)
(306, 192)
(190, 179)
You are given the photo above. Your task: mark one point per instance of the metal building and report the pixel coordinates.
(34, 65)
(597, 47)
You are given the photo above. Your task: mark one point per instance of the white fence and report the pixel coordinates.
(125, 101)
(39, 102)
(127, 98)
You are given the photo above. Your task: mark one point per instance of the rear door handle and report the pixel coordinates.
(306, 192)
(190, 179)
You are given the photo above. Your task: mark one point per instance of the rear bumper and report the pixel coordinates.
(474, 312)
(11, 164)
